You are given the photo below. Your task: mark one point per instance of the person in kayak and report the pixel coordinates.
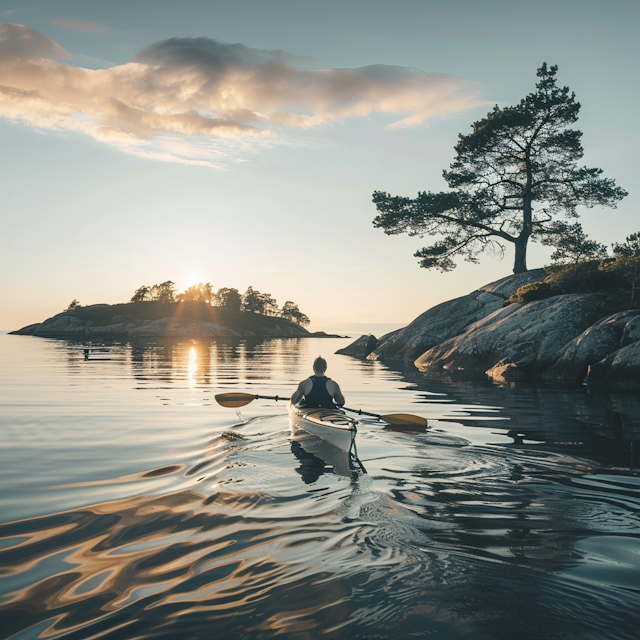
(318, 390)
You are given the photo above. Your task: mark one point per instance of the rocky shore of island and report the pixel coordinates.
(149, 320)
(562, 339)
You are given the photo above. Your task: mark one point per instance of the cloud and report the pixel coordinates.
(20, 41)
(77, 25)
(11, 13)
(209, 54)
(207, 94)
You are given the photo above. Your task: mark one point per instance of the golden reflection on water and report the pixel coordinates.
(204, 363)
(178, 549)
(192, 368)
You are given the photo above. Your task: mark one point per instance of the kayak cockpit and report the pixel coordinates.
(331, 425)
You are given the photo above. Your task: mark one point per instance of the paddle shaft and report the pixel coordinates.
(360, 412)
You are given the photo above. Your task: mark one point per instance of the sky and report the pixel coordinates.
(239, 143)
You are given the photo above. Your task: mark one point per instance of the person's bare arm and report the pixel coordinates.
(299, 393)
(336, 394)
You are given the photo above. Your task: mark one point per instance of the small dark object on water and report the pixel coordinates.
(87, 352)
(231, 435)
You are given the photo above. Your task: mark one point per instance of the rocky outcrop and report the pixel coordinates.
(620, 369)
(450, 319)
(361, 347)
(529, 336)
(593, 345)
(559, 339)
(282, 330)
(172, 328)
(110, 330)
(631, 332)
(62, 325)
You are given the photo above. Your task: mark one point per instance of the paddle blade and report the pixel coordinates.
(406, 422)
(234, 400)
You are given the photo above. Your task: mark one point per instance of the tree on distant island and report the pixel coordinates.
(141, 294)
(255, 302)
(290, 311)
(197, 293)
(269, 305)
(515, 157)
(164, 292)
(228, 299)
(74, 304)
(252, 301)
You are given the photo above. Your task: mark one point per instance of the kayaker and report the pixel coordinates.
(318, 390)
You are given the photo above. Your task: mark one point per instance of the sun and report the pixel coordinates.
(193, 277)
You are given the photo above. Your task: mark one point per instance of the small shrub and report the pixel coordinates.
(616, 281)
(626, 270)
(531, 292)
(583, 277)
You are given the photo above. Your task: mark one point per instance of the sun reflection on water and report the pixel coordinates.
(192, 368)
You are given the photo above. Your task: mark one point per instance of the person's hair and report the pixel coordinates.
(319, 365)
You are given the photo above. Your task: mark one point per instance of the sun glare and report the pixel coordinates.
(192, 277)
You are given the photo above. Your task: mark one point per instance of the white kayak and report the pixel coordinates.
(310, 450)
(331, 425)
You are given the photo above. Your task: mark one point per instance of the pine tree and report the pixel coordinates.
(512, 175)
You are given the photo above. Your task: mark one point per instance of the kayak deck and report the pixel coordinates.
(332, 425)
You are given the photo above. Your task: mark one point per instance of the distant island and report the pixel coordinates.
(159, 311)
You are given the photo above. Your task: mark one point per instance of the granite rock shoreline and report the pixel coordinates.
(563, 339)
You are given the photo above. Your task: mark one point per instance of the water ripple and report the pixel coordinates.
(136, 510)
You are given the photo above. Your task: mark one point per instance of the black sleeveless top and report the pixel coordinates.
(318, 396)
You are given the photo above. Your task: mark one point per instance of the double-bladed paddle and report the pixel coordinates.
(399, 421)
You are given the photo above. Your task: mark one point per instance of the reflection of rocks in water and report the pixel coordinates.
(600, 425)
(152, 362)
(495, 503)
(503, 518)
(200, 362)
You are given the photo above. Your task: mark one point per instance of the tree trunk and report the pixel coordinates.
(520, 264)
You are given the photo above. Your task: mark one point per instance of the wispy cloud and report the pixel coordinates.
(199, 91)
(77, 25)
(12, 13)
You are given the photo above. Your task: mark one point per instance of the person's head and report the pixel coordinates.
(319, 366)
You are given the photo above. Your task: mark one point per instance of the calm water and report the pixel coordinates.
(132, 506)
